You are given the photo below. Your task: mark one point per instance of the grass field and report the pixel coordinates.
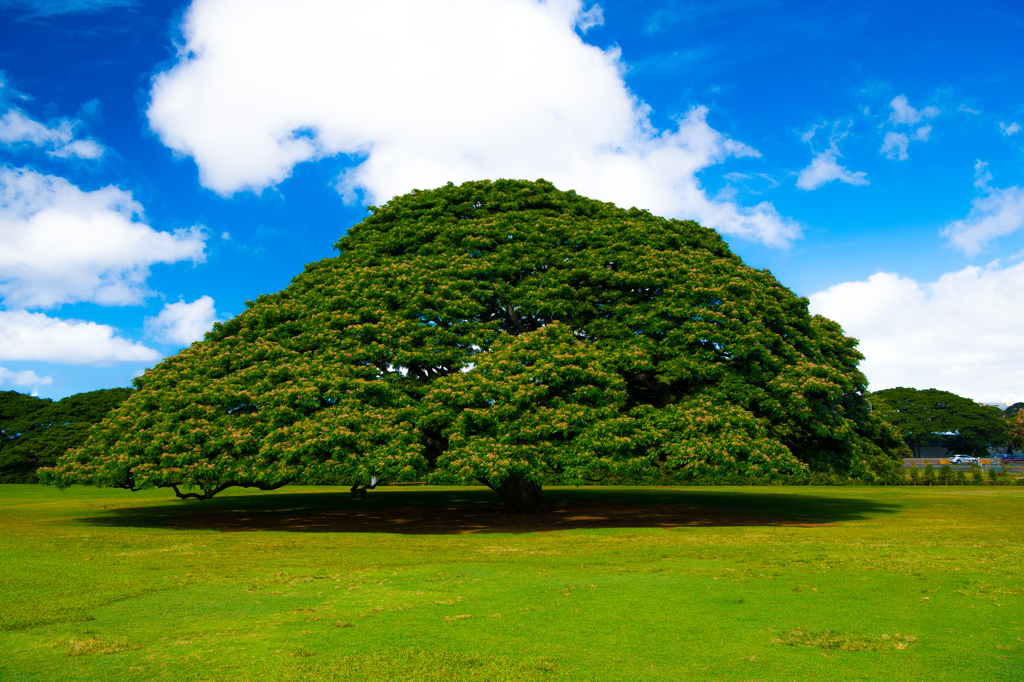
(847, 583)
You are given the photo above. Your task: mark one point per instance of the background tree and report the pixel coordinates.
(497, 332)
(35, 432)
(920, 415)
(1015, 429)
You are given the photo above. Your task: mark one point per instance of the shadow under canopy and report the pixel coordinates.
(475, 510)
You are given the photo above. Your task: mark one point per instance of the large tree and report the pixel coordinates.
(922, 416)
(503, 333)
(35, 432)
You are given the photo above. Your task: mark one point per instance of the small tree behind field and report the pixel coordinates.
(36, 432)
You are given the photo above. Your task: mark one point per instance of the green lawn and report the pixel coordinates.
(850, 583)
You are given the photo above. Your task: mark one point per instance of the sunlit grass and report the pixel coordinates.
(852, 583)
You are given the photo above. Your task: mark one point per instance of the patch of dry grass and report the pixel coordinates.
(98, 645)
(830, 639)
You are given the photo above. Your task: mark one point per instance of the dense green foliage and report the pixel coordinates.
(507, 333)
(1014, 426)
(34, 432)
(921, 414)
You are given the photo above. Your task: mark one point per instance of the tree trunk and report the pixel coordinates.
(521, 496)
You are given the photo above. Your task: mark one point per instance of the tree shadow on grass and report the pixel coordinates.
(450, 511)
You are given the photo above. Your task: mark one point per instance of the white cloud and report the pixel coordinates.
(35, 336)
(83, 149)
(824, 169)
(431, 91)
(981, 174)
(967, 110)
(997, 212)
(1009, 129)
(59, 244)
(809, 134)
(182, 323)
(754, 183)
(962, 333)
(902, 112)
(23, 378)
(17, 128)
(591, 18)
(895, 145)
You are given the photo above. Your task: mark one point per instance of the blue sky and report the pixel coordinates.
(162, 162)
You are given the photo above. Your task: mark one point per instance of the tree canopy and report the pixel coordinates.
(505, 333)
(920, 415)
(1014, 426)
(35, 432)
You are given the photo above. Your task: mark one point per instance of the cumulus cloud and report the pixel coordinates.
(182, 323)
(962, 333)
(994, 213)
(60, 244)
(38, 337)
(17, 128)
(824, 169)
(431, 91)
(23, 378)
(902, 112)
(1009, 129)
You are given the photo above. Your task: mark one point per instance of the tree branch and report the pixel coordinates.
(361, 491)
(210, 492)
(515, 320)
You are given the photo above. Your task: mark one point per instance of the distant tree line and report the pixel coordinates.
(34, 432)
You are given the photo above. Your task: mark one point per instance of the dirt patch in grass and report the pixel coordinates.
(845, 642)
(466, 519)
(97, 645)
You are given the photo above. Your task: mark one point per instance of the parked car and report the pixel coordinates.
(963, 459)
(1012, 459)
